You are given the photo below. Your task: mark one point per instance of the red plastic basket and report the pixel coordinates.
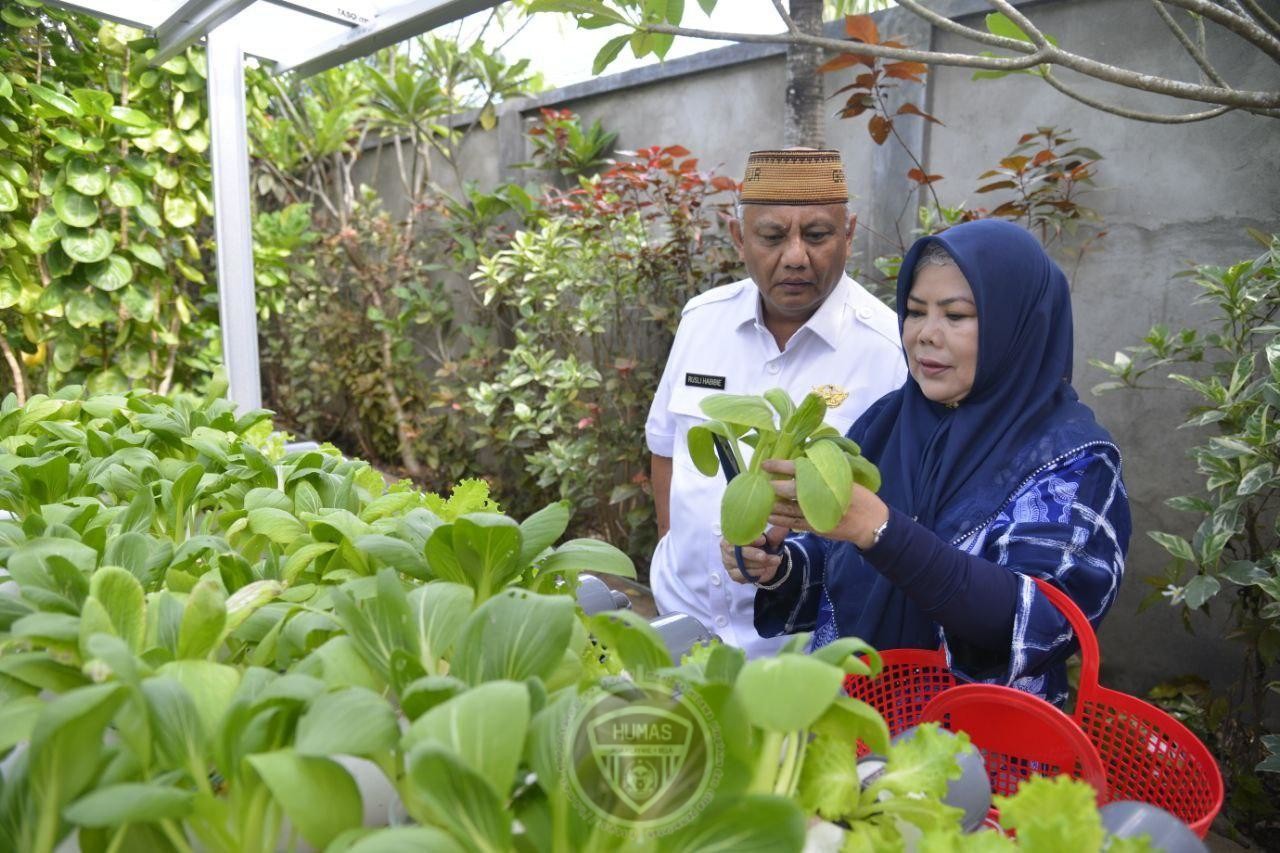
(1145, 753)
(1018, 735)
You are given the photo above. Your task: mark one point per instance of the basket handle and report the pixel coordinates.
(1089, 654)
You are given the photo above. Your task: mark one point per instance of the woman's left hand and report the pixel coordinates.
(866, 512)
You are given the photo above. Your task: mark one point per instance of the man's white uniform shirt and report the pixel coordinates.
(722, 345)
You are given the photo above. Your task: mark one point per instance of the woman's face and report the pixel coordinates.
(940, 333)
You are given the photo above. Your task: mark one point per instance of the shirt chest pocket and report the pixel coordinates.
(686, 402)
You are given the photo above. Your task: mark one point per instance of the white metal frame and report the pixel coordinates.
(213, 20)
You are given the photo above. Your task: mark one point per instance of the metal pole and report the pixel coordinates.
(232, 223)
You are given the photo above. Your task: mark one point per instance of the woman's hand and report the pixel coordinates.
(760, 563)
(866, 512)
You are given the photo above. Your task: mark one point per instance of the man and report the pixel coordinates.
(798, 323)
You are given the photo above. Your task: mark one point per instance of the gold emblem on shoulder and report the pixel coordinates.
(832, 395)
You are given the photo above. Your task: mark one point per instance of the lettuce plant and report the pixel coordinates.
(827, 463)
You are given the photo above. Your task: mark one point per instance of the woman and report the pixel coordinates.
(993, 473)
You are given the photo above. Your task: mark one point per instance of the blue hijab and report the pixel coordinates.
(954, 469)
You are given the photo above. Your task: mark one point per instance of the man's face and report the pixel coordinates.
(794, 253)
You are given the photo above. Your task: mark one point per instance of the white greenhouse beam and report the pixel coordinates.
(191, 22)
(144, 16)
(390, 27)
(233, 223)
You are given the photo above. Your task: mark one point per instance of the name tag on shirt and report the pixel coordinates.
(703, 380)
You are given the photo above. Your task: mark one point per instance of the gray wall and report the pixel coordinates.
(1168, 195)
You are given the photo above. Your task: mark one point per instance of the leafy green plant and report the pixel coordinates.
(1233, 369)
(827, 463)
(208, 643)
(104, 192)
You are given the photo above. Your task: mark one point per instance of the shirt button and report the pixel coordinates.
(715, 580)
(773, 367)
(721, 622)
(864, 313)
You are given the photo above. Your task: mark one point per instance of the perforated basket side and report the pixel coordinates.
(1151, 757)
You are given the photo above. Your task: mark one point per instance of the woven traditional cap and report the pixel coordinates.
(794, 176)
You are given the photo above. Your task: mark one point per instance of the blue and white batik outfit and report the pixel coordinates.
(1017, 481)
(1066, 526)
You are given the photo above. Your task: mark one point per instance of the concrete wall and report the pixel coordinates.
(1168, 194)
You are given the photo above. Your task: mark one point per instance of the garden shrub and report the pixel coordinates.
(104, 199)
(1233, 558)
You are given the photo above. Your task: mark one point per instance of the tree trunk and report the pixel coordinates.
(805, 119)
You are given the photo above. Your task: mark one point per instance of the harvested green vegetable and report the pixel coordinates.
(827, 463)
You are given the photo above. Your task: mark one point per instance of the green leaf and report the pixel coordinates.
(739, 409)
(396, 553)
(741, 824)
(1175, 545)
(318, 794)
(210, 686)
(484, 727)
(86, 177)
(15, 17)
(514, 635)
(354, 721)
(609, 53)
(632, 640)
(541, 530)
(809, 686)
(179, 212)
(130, 802)
(864, 473)
(588, 555)
(829, 784)
(487, 546)
(453, 796)
(123, 602)
(54, 100)
(110, 275)
(850, 720)
(1200, 590)
(88, 247)
(18, 717)
(8, 196)
(75, 209)
(66, 743)
(824, 485)
(920, 765)
(401, 838)
(94, 102)
(438, 611)
(745, 507)
(277, 525)
(1053, 814)
(124, 193)
(701, 443)
(203, 619)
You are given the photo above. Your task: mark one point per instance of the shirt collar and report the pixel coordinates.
(826, 322)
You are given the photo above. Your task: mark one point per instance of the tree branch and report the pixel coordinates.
(1270, 23)
(786, 18)
(959, 60)
(19, 381)
(1154, 118)
(1022, 22)
(1195, 52)
(942, 22)
(1243, 27)
(1046, 55)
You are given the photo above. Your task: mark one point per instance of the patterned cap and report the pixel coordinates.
(794, 176)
